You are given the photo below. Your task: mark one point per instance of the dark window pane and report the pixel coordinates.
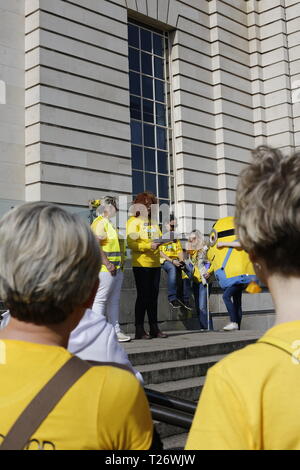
(163, 186)
(135, 107)
(161, 137)
(137, 157)
(136, 132)
(146, 40)
(157, 44)
(150, 182)
(147, 87)
(164, 202)
(159, 90)
(134, 59)
(160, 114)
(149, 160)
(147, 63)
(149, 136)
(133, 36)
(135, 83)
(148, 111)
(137, 182)
(158, 68)
(162, 162)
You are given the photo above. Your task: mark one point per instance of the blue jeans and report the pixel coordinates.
(201, 298)
(178, 288)
(171, 271)
(233, 300)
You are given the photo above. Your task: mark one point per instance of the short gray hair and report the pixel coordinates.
(106, 201)
(268, 209)
(49, 262)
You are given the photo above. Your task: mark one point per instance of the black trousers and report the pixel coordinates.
(147, 286)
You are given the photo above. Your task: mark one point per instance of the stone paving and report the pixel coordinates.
(179, 339)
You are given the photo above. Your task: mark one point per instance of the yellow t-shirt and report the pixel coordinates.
(250, 399)
(140, 236)
(106, 409)
(171, 249)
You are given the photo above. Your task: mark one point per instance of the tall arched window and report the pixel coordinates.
(149, 116)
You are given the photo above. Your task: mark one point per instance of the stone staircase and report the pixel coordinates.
(177, 366)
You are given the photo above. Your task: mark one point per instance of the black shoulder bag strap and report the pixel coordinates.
(43, 403)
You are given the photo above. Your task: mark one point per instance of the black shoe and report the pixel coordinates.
(156, 333)
(140, 333)
(160, 334)
(175, 303)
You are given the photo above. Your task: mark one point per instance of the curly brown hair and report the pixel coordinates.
(145, 199)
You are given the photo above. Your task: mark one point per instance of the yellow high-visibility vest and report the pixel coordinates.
(111, 244)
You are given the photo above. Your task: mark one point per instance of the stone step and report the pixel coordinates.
(175, 370)
(166, 430)
(176, 366)
(176, 442)
(187, 345)
(186, 389)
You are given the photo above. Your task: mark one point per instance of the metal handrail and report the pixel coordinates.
(169, 416)
(168, 401)
(171, 410)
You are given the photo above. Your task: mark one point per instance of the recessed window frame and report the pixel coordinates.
(168, 150)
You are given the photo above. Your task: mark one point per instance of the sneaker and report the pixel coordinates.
(187, 305)
(123, 338)
(175, 303)
(231, 326)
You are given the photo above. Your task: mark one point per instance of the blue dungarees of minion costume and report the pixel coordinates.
(232, 267)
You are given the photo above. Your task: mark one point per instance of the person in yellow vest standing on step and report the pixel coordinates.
(107, 299)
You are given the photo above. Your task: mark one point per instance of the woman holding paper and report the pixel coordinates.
(143, 233)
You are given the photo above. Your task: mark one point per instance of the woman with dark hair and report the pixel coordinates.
(142, 234)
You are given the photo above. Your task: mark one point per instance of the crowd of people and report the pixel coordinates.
(188, 269)
(49, 280)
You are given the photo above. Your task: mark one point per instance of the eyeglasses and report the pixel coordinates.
(111, 200)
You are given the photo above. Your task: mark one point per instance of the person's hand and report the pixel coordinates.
(207, 275)
(111, 269)
(177, 263)
(154, 246)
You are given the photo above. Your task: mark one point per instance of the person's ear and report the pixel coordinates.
(259, 267)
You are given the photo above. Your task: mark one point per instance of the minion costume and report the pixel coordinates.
(232, 267)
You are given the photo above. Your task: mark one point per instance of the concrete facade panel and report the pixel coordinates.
(80, 68)
(85, 34)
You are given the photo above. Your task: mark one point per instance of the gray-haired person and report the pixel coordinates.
(49, 266)
(107, 299)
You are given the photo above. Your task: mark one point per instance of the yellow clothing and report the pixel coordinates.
(195, 258)
(106, 409)
(239, 262)
(140, 236)
(251, 398)
(171, 249)
(110, 243)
